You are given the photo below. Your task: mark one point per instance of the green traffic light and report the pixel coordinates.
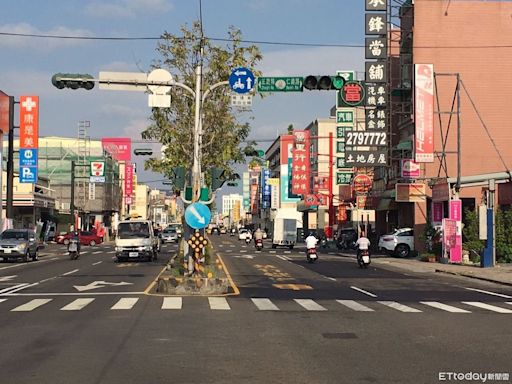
(338, 82)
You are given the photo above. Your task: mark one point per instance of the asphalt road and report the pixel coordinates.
(93, 320)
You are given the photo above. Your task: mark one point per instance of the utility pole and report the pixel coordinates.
(10, 163)
(72, 203)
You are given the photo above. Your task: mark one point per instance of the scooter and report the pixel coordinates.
(311, 255)
(74, 249)
(247, 240)
(363, 258)
(258, 243)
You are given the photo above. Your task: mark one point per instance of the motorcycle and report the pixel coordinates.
(311, 255)
(74, 249)
(258, 243)
(363, 258)
(247, 240)
(232, 232)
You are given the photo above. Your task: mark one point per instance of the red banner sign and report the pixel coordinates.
(29, 121)
(4, 112)
(301, 163)
(424, 113)
(119, 147)
(128, 182)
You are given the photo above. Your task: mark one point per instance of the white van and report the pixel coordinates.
(136, 240)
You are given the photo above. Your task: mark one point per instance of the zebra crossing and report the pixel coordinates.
(264, 304)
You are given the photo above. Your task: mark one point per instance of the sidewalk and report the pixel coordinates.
(501, 273)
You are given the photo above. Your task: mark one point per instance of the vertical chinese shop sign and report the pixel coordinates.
(128, 183)
(301, 163)
(29, 138)
(424, 113)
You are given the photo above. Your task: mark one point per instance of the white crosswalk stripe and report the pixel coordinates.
(265, 304)
(310, 305)
(488, 306)
(355, 305)
(399, 307)
(219, 303)
(125, 303)
(77, 305)
(31, 305)
(172, 303)
(444, 307)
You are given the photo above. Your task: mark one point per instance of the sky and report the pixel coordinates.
(331, 31)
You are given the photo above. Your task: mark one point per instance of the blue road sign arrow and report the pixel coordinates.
(197, 215)
(241, 80)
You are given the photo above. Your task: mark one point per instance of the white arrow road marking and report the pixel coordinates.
(98, 284)
(199, 218)
(355, 305)
(490, 293)
(7, 278)
(31, 305)
(77, 304)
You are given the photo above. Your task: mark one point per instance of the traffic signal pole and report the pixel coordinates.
(10, 164)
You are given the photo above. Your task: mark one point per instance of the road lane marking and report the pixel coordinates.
(487, 306)
(22, 264)
(2, 300)
(70, 272)
(74, 294)
(77, 304)
(490, 293)
(97, 252)
(399, 307)
(310, 305)
(172, 303)
(125, 303)
(355, 305)
(53, 258)
(13, 287)
(219, 303)
(330, 278)
(111, 252)
(31, 305)
(272, 251)
(444, 307)
(98, 262)
(363, 291)
(264, 304)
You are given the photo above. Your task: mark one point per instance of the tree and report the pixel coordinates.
(223, 135)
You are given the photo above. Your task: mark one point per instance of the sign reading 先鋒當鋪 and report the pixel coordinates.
(29, 138)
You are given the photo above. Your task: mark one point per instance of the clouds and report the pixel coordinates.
(128, 8)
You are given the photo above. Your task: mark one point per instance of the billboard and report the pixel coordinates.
(29, 138)
(424, 113)
(4, 112)
(119, 147)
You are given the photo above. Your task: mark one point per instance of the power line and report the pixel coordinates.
(257, 42)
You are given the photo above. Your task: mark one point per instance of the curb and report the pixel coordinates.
(463, 274)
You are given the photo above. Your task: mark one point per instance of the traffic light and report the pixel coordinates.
(73, 81)
(217, 178)
(323, 83)
(178, 177)
(254, 152)
(143, 152)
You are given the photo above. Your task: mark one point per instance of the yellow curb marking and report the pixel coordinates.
(295, 287)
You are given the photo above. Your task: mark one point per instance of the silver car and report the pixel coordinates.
(18, 243)
(169, 235)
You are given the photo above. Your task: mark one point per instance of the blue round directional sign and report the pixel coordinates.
(197, 215)
(241, 80)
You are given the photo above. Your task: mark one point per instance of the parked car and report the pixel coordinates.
(18, 243)
(243, 233)
(86, 238)
(400, 242)
(169, 235)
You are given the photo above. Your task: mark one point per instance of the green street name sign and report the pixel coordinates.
(279, 84)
